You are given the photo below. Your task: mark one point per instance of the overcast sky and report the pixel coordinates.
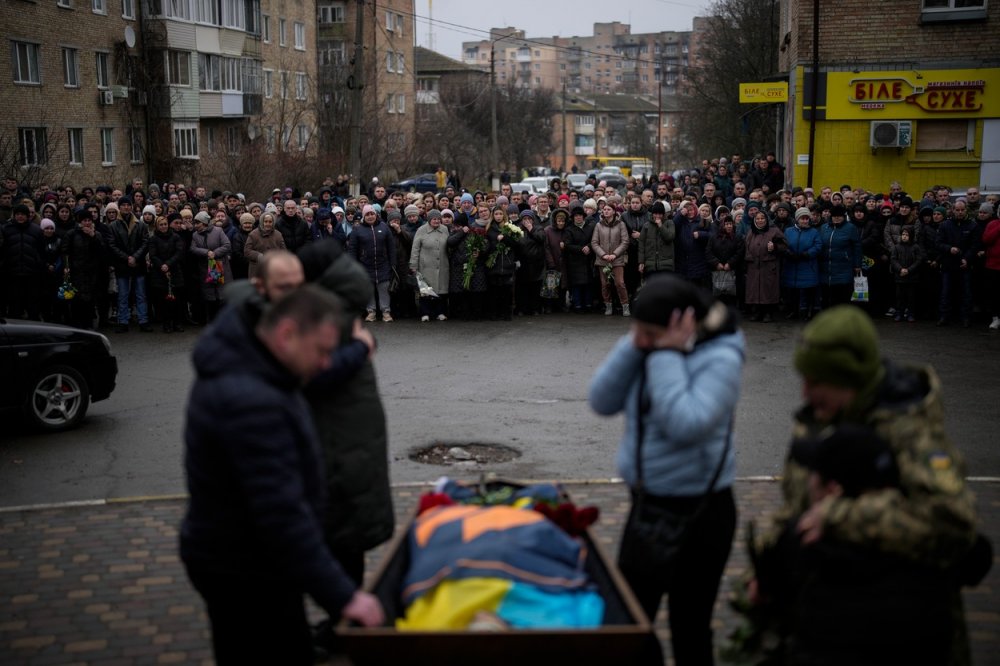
(457, 21)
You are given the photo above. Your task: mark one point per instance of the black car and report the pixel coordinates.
(52, 373)
(615, 180)
(425, 182)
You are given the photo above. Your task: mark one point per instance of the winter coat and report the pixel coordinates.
(404, 245)
(259, 242)
(553, 251)
(928, 241)
(610, 238)
(372, 245)
(21, 250)
(890, 236)
(963, 235)
(873, 239)
(726, 250)
(215, 240)
(531, 254)
(85, 257)
(763, 267)
(429, 257)
(801, 266)
(238, 263)
(166, 249)
(294, 230)
(635, 222)
(458, 257)
(254, 471)
(841, 254)
(689, 252)
(579, 266)
(656, 247)
(501, 273)
(351, 422)
(909, 256)
(129, 242)
(991, 243)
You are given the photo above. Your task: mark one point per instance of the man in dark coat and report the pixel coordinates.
(294, 230)
(252, 540)
(128, 245)
(21, 263)
(579, 259)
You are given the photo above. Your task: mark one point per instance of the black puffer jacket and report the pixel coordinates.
(21, 250)
(579, 266)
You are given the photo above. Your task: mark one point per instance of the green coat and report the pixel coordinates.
(656, 246)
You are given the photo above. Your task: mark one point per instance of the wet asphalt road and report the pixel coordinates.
(521, 383)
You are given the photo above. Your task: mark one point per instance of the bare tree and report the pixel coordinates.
(740, 46)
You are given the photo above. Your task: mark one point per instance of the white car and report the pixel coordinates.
(522, 187)
(540, 183)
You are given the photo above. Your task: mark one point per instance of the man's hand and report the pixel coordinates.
(364, 609)
(364, 335)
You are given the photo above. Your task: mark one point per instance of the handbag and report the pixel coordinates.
(214, 273)
(656, 530)
(724, 283)
(550, 284)
(860, 293)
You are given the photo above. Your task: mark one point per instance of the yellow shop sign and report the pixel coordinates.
(763, 93)
(912, 95)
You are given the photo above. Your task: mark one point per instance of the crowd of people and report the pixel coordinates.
(163, 254)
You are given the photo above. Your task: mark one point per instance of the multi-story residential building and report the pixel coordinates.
(388, 86)
(439, 76)
(908, 94)
(612, 60)
(74, 112)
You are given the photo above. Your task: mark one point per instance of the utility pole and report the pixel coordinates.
(659, 125)
(356, 85)
(494, 149)
(564, 160)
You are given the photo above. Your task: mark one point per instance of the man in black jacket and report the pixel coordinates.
(21, 263)
(251, 540)
(294, 230)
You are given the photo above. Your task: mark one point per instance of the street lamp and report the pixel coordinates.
(493, 106)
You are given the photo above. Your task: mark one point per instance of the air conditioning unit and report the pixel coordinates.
(120, 92)
(891, 133)
(105, 97)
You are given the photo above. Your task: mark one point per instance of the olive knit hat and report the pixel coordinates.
(840, 347)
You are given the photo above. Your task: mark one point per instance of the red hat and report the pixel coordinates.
(563, 197)
(886, 204)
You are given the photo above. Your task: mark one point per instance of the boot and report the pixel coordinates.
(995, 324)
(607, 309)
(625, 311)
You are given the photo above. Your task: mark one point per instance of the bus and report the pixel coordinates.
(641, 165)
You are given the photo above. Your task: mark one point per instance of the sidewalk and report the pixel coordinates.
(102, 583)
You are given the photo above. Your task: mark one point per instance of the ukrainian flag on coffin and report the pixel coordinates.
(512, 562)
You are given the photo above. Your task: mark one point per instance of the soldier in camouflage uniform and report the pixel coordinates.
(929, 518)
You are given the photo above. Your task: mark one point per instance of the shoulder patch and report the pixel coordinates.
(939, 461)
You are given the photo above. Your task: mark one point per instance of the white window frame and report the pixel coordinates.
(176, 69)
(107, 146)
(71, 67)
(268, 83)
(400, 63)
(26, 56)
(401, 103)
(231, 79)
(283, 83)
(128, 9)
(234, 14)
(185, 141)
(65, 4)
(281, 32)
(301, 89)
(74, 145)
(233, 140)
(99, 7)
(33, 146)
(102, 69)
(209, 140)
(207, 12)
(135, 146)
(390, 61)
(330, 12)
(390, 103)
(177, 9)
(299, 29)
(302, 136)
(265, 28)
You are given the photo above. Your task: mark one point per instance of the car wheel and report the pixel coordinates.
(58, 398)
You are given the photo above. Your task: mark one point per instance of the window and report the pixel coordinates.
(390, 61)
(270, 138)
(231, 80)
(128, 9)
(71, 68)
(74, 143)
(302, 136)
(207, 11)
(24, 57)
(283, 82)
(300, 36)
(253, 16)
(252, 71)
(65, 4)
(135, 146)
(178, 9)
(178, 68)
(233, 140)
(300, 85)
(401, 103)
(99, 6)
(268, 83)
(333, 54)
(331, 12)
(107, 146)
(234, 14)
(33, 146)
(154, 7)
(186, 141)
(938, 135)
(219, 73)
(394, 22)
(281, 32)
(265, 28)
(390, 103)
(103, 76)
(210, 140)
(937, 11)
(399, 63)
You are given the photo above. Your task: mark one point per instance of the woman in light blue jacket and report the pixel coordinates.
(677, 376)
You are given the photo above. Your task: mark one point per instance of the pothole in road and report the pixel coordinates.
(464, 455)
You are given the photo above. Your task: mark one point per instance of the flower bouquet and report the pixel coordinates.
(510, 232)
(475, 242)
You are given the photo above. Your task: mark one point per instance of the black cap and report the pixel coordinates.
(658, 208)
(838, 210)
(905, 200)
(664, 293)
(852, 455)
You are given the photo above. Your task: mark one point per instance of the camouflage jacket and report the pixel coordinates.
(930, 517)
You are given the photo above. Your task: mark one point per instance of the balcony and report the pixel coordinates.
(583, 150)
(428, 97)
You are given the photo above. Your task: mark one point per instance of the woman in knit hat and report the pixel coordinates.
(765, 246)
(676, 375)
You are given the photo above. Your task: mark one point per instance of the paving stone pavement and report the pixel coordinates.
(102, 584)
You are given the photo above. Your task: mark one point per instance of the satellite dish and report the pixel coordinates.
(252, 132)
(129, 36)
